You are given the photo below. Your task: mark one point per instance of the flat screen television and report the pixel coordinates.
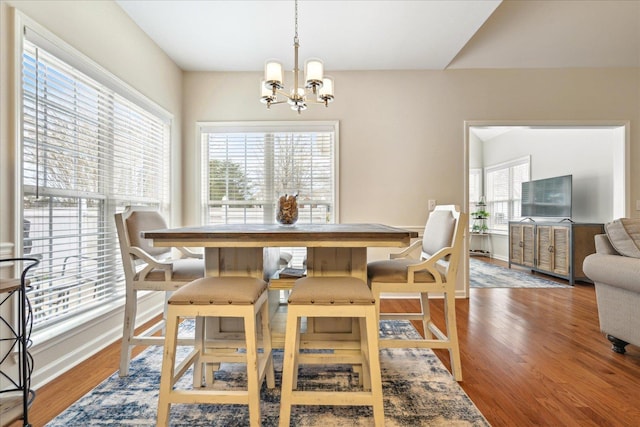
(550, 197)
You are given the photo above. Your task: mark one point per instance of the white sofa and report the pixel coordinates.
(615, 271)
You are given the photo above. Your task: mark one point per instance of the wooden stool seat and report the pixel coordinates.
(243, 297)
(332, 297)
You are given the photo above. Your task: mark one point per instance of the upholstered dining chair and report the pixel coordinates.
(435, 271)
(148, 268)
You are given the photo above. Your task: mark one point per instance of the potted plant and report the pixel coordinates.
(479, 223)
(480, 214)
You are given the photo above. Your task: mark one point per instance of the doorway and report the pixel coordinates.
(596, 153)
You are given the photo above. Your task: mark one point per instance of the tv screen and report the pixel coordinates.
(550, 197)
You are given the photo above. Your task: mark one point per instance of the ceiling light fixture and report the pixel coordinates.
(315, 83)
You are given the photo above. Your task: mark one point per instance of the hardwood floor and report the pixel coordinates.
(529, 357)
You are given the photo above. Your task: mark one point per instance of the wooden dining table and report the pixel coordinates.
(253, 250)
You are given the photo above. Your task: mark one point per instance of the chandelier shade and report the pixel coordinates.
(315, 83)
(273, 74)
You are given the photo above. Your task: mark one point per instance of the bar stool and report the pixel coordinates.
(332, 297)
(243, 297)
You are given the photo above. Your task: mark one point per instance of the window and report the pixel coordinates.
(475, 188)
(87, 151)
(503, 187)
(247, 166)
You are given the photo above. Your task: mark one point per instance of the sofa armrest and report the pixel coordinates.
(613, 270)
(603, 245)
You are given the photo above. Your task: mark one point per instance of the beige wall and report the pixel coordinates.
(402, 133)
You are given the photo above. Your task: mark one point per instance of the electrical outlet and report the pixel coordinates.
(432, 204)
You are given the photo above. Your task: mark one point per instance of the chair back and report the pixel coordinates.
(129, 224)
(445, 231)
(145, 220)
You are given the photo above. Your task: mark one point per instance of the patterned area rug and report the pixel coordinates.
(485, 275)
(418, 391)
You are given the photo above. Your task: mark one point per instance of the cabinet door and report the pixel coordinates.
(544, 247)
(553, 247)
(522, 244)
(515, 243)
(561, 249)
(528, 245)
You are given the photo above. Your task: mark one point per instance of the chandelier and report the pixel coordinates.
(318, 89)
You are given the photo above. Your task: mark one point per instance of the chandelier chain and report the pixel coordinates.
(295, 37)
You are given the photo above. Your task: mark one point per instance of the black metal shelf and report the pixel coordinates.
(17, 396)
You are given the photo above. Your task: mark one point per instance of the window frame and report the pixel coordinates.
(508, 165)
(260, 126)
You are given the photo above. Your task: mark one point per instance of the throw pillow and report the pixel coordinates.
(624, 235)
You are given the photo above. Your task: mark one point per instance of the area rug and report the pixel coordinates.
(417, 388)
(485, 275)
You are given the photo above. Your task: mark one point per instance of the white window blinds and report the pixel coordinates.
(504, 186)
(87, 152)
(247, 167)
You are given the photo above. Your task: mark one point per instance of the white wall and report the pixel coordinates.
(103, 32)
(587, 154)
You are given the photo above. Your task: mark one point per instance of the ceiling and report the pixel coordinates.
(239, 35)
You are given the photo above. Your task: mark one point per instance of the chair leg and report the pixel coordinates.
(374, 366)
(168, 370)
(128, 330)
(288, 365)
(426, 314)
(200, 368)
(296, 351)
(375, 290)
(452, 334)
(267, 345)
(365, 372)
(253, 380)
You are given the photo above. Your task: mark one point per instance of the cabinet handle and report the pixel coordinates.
(550, 248)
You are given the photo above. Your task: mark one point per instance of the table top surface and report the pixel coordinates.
(278, 235)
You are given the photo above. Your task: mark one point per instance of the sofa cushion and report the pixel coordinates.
(624, 235)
